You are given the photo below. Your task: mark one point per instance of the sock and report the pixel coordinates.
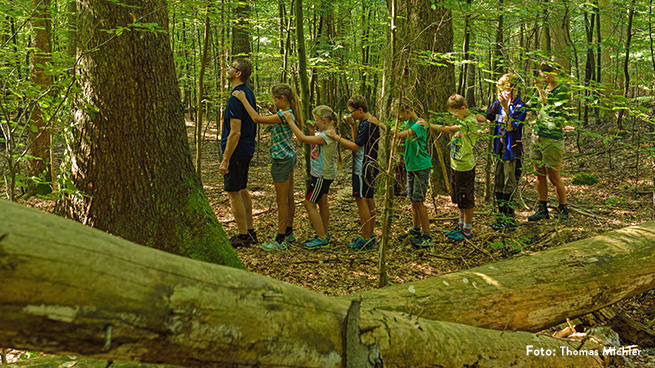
(562, 206)
(426, 234)
(289, 231)
(461, 221)
(279, 238)
(467, 228)
(543, 203)
(243, 236)
(416, 230)
(251, 231)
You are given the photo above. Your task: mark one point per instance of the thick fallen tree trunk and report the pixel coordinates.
(534, 292)
(69, 288)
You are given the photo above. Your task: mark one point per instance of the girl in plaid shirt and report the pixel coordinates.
(284, 157)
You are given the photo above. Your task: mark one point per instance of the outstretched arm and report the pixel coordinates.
(314, 139)
(342, 141)
(403, 134)
(259, 119)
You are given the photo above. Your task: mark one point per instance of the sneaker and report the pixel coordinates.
(409, 235)
(424, 241)
(290, 238)
(503, 224)
(459, 236)
(274, 245)
(541, 214)
(237, 242)
(457, 229)
(562, 214)
(361, 244)
(354, 239)
(316, 243)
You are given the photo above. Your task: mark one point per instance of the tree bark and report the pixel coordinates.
(201, 81)
(39, 136)
(241, 31)
(534, 292)
(131, 156)
(69, 288)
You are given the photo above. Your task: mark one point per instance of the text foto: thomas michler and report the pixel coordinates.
(567, 351)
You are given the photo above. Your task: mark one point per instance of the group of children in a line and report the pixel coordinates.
(508, 112)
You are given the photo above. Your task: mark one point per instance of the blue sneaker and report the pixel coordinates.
(290, 238)
(274, 245)
(354, 239)
(459, 236)
(316, 243)
(457, 229)
(361, 244)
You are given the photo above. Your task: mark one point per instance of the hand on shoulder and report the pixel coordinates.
(239, 94)
(373, 120)
(288, 116)
(331, 133)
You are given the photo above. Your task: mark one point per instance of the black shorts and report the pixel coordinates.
(237, 177)
(364, 185)
(317, 187)
(462, 188)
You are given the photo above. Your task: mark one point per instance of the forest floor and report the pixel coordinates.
(620, 199)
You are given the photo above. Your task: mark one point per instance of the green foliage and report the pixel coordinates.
(583, 178)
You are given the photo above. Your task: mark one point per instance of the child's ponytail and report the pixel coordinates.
(283, 89)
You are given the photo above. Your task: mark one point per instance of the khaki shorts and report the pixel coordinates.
(547, 152)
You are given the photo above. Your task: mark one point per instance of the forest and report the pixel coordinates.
(114, 227)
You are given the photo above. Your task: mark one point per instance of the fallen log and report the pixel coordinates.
(536, 291)
(67, 288)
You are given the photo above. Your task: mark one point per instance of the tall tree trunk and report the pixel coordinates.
(559, 29)
(626, 60)
(241, 31)
(39, 135)
(304, 80)
(200, 93)
(111, 299)
(131, 157)
(425, 30)
(465, 50)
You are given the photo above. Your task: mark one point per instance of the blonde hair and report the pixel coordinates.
(508, 80)
(323, 111)
(283, 89)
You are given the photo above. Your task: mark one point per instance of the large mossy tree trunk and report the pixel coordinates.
(130, 157)
(536, 291)
(70, 288)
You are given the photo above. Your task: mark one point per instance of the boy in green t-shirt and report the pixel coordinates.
(418, 164)
(462, 185)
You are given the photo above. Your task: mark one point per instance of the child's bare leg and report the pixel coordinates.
(364, 217)
(422, 213)
(325, 215)
(281, 191)
(416, 220)
(315, 218)
(542, 183)
(291, 212)
(372, 213)
(556, 179)
(468, 215)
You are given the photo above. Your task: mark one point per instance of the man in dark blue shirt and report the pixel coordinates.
(238, 147)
